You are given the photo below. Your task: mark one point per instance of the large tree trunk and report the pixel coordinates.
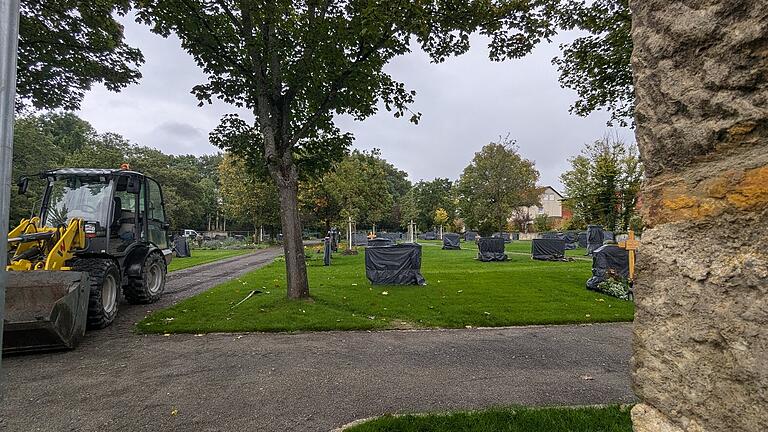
(293, 245)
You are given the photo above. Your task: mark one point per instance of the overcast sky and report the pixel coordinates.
(465, 102)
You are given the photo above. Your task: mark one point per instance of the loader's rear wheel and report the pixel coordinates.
(104, 277)
(150, 285)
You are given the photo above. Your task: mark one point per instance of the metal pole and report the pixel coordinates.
(9, 39)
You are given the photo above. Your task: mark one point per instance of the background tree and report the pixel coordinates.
(297, 64)
(542, 223)
(597, 65)
(428, 196)
(603, 183)
(319, 203)
(49, 141)
(359, 184)
(67, 46)
(494, 184)
(440, 219)
(245, 198)
(521, 218)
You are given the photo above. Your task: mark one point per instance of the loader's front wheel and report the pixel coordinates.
(150, 284)
(104, 277)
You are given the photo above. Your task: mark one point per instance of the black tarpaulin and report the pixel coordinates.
(429, 235)
(595, 238)
(379, 241)
(582, 239)
(394, 265)
(491, 249)
(608, 236)
(470, 236)
(571, 240)
(181, 247)
(608, 258)
(451, 241)
(551, 235)
(548, 249)
(504, 235)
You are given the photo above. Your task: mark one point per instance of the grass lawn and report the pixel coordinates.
(204, 256)
(603, 419)
(461, 292)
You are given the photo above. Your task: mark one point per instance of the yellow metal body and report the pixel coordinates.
(56, 250)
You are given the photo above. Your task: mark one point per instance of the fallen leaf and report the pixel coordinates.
(487, 313)
(587, 377)
(198, 334)
(174, 412)
(460, 291)
(588, 315)
(384, 293)
(166, 334)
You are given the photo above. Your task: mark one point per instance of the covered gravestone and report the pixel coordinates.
(451, 241)
(606, 260)
(181, 247)
(595, 238)
(491, 249)
(503, 235)
(582, 239)
(470, 236)
(429, 235)
(394, 265)
(548, 249)
(700, 345)
(571, 239)
(379, 241)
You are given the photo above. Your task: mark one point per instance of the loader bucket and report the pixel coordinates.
(44, 310)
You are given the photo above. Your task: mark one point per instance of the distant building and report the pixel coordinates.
(551, 204)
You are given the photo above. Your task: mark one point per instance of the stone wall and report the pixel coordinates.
(701, 327)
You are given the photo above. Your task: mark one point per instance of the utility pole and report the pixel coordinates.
(9, 40)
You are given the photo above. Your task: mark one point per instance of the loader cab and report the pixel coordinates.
(121, 209)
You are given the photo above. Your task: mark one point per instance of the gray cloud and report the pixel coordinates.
(465, 102)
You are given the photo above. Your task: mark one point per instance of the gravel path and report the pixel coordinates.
(117, 380)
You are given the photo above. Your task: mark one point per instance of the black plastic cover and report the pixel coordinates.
(470, 236)
(429, 235)
(582, 242)
(608, 258)
(181, 246)
(548, 249)
(595, 238)
(380, 241)
(451, 241)
(394, 265)
(491, 249)
(505, 235)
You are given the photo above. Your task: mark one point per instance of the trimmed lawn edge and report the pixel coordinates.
(442, 414)
(393, 329)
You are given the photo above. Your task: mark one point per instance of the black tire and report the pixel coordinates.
(150, 285)
(104, 278)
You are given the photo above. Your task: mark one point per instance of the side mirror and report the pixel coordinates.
(23, 185)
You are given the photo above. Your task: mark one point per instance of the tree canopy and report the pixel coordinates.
(603, 183)
(297, 64)
(597, 65)
(67, 46)
(494, 184)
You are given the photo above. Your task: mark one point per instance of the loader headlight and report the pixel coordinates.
(90, 229)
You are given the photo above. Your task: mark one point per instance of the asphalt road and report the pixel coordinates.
(117, 380)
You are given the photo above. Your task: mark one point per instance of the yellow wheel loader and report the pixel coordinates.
(100, 235)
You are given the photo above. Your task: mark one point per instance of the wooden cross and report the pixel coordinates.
(630, 244)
